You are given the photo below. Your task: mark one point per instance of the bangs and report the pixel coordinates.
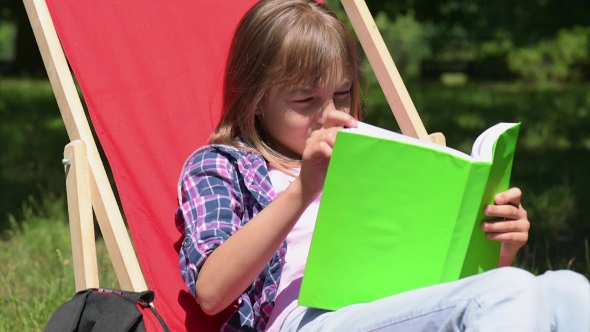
(283, 44)
(313, 55)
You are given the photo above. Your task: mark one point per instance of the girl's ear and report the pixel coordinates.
(258, 110)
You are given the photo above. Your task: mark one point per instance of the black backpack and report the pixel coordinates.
(104, 310)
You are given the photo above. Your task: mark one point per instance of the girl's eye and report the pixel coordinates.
(343, 93)
(303, 101)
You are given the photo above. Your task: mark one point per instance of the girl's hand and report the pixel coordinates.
(513, 231)
(318, 150)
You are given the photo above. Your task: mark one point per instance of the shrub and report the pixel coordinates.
(561, 58)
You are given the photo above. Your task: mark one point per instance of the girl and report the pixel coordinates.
(249, 200)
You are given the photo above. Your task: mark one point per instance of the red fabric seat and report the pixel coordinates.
(151, 75)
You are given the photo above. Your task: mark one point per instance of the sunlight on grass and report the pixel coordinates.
(37, 273)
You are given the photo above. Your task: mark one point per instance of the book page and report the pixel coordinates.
(374, 131)
(483, 148)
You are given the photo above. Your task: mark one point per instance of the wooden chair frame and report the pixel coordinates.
(88, 187)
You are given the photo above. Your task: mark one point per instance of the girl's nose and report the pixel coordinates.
(320, 117)
(323, 113)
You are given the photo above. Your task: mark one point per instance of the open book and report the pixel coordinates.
(398, 213)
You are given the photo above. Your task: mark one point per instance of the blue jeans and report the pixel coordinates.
(503, 299)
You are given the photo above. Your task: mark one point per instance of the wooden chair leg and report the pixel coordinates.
(80, 215)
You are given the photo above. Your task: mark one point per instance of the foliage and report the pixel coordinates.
(407, 40)
(560, 58)
(37, 273)
(563, 57)
(544, 41)
(460, 28)
(7, 41)
(474, 21)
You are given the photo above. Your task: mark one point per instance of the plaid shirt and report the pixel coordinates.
(221, 188)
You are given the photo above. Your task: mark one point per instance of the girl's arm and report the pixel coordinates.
(234, 265)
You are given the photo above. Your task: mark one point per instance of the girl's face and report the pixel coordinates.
(290, 115)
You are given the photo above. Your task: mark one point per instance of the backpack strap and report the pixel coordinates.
(144, 299)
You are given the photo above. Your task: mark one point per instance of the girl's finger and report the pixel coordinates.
(324, 135)
(323, 150)
(506, 226)
(514, 237)
(319, 150)
(503, 211)
(511, 196)
(336, 118)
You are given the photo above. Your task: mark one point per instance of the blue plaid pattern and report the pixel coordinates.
(221, 188)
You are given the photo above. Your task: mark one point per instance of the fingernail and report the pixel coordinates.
(353, 122)
(500, 199)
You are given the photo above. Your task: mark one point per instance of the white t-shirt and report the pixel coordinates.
(298, 242)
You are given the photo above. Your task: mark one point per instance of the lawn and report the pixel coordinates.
(37, 275)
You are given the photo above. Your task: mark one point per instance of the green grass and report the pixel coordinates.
(37, 275)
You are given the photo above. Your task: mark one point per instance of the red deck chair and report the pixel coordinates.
(151, 75)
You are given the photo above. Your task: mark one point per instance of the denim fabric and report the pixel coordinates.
(503, 299)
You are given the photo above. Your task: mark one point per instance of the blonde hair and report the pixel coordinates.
(280, 43)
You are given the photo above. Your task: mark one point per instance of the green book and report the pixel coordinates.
(398, 213)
